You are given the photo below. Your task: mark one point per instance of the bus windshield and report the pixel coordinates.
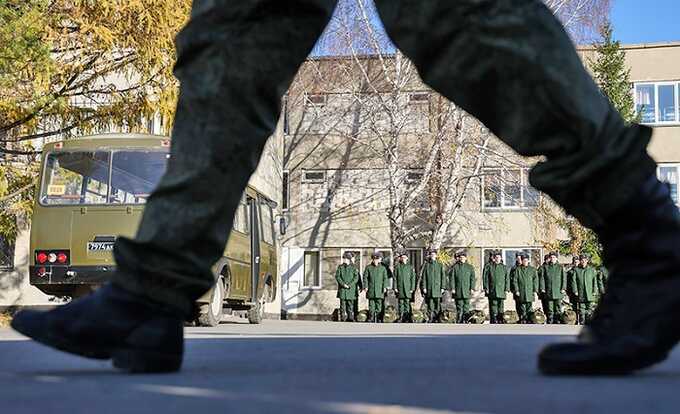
(101, 177)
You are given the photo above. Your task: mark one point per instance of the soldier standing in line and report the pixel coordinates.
(375, 282)
(584, 285)
(573, 299)
(347, 277)
(359, 286)
(496, 283)
(462, 283)
(518, 263)
(404, 286)
(553, 286)
(541, 296)
(524, 286)
(432, 285)
(602, 276)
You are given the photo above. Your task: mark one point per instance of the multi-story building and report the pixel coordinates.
(336, 185)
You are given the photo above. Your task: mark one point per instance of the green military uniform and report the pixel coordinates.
(602, 277)
(405, 285)
(375, 281)
(461, 282)
(584, 285)
(496, 282)
(552, 282)
(524, 285)
(541, 295)
(432, 281)
(347, 277)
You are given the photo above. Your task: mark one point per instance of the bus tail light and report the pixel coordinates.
(52, 257)
(62, 258)
(42, 272)
(41, 257)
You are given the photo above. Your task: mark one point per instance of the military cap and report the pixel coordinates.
(376, 255)
(554, 254)
(520, 254)
(498, 253)
(584, 256)
(348, 255)
(403, 252)
(461, 253)
(523, 255)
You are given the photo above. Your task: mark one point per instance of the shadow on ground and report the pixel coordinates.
(418, 374)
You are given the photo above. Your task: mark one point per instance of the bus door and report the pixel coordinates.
(254, 247)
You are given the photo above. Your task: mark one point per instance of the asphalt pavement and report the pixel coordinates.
(325, 367)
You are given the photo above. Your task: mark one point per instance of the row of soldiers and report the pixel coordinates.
(582, 284)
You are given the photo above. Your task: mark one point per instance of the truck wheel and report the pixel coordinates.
(211, 313)
(256, 312)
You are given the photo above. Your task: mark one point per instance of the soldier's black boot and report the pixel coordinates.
(111, 323)
(637, 322)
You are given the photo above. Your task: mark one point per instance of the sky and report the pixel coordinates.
(646, 21)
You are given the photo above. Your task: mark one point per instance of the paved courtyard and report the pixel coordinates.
(323, 367)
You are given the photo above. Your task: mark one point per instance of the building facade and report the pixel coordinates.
(336, 187)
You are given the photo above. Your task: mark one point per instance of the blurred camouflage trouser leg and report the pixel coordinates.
(511, 64)
(462, 309)
(236, 59)
(404, 308)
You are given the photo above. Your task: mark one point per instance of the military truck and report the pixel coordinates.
(93, 189)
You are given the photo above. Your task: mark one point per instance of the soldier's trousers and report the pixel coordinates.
(552, 309)
(346, 309)
(509, 63)
(496, 307)
(404, 307)
(585, 311)
(434, 307)
(525, 310)
(376, 307)
(462, 309)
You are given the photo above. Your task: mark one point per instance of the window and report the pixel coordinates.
(415, 257)
(242, 217)
(135, 174)
(536, 258)
(419, 98)
(285, 199)
(316, 99)
(6, 254)
(314, 177)
(657, 103)
(508, 189)
(312, 270)
(266, 222)
(669, 173)
(414, 177)
(76, 178)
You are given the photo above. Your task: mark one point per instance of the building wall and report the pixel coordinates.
(320, 223)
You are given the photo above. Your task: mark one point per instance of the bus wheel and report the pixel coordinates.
(256, 312)
(211, 313)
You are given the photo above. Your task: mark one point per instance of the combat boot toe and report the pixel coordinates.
(111, 324)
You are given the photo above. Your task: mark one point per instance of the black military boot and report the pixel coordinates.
(111, 323)
(637, 322)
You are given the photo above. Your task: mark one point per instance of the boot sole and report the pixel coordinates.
(610, 367)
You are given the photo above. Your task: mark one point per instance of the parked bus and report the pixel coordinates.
(93, 189)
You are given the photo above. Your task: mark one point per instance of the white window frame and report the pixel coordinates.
(302, 282)
(305, 180)
(524, 183)
(360, 267)
(657, 108)
(677, 172)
